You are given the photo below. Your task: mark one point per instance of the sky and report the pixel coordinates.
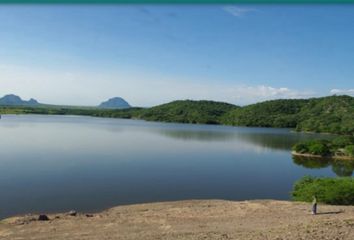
(153, 54)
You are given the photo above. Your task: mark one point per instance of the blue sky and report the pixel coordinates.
(152, 54)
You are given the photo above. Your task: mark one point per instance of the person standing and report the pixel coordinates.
(314, 205)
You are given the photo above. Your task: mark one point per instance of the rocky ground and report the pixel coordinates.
(195, 219)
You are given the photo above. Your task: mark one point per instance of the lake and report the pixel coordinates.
(59, 163)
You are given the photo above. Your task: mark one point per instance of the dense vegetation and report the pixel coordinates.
(84, 111)
(339, 191)
(338, 147)
(188, 111)
(334, 114)
(275, 113)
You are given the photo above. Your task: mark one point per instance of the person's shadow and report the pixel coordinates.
(334, 212)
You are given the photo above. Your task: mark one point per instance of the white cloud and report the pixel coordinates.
(238, 11)
(246, 94)
(139, 89)
(342, 91)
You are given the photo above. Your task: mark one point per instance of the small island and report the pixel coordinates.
(339, 148)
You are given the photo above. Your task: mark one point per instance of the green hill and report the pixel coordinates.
(275, 113)
(333, 114)
(188, 111)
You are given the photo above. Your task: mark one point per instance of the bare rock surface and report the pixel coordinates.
(192, 219)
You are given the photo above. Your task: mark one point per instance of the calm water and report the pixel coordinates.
(58, 163)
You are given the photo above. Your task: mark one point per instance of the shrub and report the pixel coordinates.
(350, 150)
(301, 148)
(343, 141)
(341, 146)
(339, 191)
(318, 148)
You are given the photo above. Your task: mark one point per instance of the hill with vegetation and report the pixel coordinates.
(333, 114)
(274, 113)
(188, 111)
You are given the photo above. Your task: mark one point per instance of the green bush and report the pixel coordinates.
(350, 150)
(301, 147)
(318, 148)
(336, 147)
(338, 191)
(315, 147)
(343, 141)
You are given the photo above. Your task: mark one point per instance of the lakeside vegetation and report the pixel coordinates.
(340, 147)
(337, 191)
(333, 114)
(68, 110)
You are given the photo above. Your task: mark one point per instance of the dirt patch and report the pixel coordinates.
(194, 219)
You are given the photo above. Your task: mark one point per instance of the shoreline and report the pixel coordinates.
(291, 129)
(319, 156)
(191, 219)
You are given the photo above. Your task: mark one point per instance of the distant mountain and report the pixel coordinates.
(14, 100)
(115, 103)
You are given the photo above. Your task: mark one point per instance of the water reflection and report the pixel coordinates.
(275, 141)
(197, 135)
(278, 139)
(342, 168)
